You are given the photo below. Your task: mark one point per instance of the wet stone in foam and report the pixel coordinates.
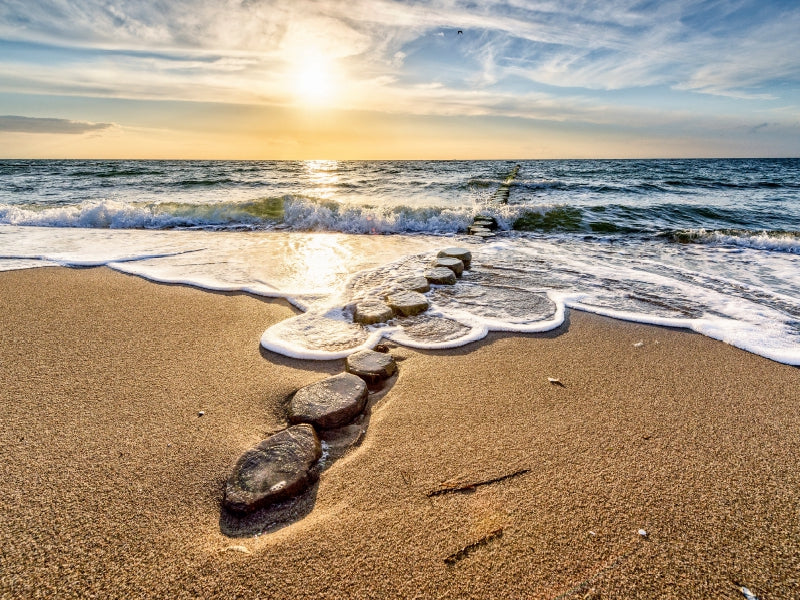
(407, 303)
(417, 283)
(432, 329)
(371, 311)
(454, 264)
(440, 276)
(462, 254)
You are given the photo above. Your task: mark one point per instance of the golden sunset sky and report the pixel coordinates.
(383, 79)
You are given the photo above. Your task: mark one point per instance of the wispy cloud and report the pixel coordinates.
(545, 59)
(17, 124)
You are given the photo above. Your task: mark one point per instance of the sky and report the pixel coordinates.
(384, 79)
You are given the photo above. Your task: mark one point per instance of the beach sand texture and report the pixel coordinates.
(111, 482)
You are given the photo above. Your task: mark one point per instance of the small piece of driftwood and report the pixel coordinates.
(468, 487)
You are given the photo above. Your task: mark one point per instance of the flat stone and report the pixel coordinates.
(484, 234)
(371, 366)
(407, 303)
(441, 276)
(454, 264)
(276, 469)
(479, 229)
(330, 403)
(462, 254)
(369, 312)
(416, 283)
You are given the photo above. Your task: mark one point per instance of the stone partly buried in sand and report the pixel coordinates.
(372, 311)
(278, 468)
(330, 403)
(407, 303)
(371, 366)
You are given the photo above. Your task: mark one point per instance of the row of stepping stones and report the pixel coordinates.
(407, 299)
(282, 466)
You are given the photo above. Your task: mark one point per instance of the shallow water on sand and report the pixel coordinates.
(516, 283)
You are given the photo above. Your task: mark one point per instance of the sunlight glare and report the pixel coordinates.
(314, 81)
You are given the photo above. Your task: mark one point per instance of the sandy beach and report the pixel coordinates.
(112, 482)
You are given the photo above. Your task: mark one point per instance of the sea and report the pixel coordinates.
(711, 245)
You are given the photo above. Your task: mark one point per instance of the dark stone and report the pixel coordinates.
(368, 312)
(276, 469)
(329, 403)
(462, 254)
(371, 366)
(407, 303)
(454, 264)
(441, 276)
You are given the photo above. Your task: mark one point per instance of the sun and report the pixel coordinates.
(314, 81)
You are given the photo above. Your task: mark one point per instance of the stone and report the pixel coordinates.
(371, 366)
(454, 264)
(417, 283)
(462, 254)
(441, 276)
(274, 470)
(407, 303)
(484, 234)
(330, 403)
(478, 229)
(371, 311)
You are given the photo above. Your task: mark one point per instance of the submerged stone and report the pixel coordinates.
(462, 254)
(454, 264)
(407, 303)
(276, 469)
(441, 276)
(369, 312)
(371, 366)
(330, 403)
(416, 283)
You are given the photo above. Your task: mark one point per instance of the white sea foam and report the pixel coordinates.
(288, 212)
(762, 240)
(744, 297)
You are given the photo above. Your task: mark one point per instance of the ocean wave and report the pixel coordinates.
(311, 215)
(779, 241)
(678, 223)
(113, 214)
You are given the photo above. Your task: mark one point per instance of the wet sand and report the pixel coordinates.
(110, 482)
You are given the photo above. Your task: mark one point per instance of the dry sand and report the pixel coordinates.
(111, 482)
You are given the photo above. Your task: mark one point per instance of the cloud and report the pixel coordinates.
(245, 51)
(17, 124)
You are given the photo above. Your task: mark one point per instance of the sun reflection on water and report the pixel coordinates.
(322, 177)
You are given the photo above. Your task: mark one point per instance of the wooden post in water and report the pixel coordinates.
(482, 225)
